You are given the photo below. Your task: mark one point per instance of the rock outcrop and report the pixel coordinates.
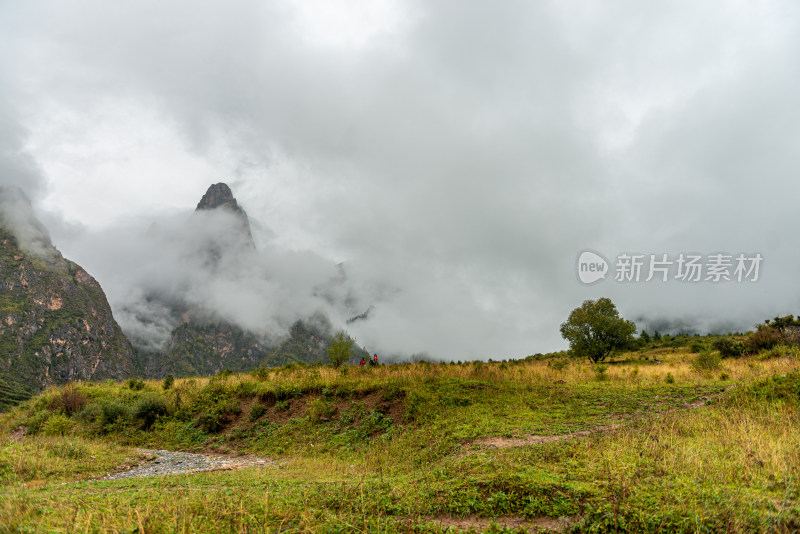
(55, 322)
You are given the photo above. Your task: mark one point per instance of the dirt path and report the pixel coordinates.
(160, 463)
(502, 442)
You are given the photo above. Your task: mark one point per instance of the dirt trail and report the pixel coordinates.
(502, 442)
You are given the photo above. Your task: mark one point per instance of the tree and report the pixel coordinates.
(339, 349)
(596, 330)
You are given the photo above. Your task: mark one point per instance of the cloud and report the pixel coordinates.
(456, 156)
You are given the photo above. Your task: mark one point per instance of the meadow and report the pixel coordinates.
(667, 438)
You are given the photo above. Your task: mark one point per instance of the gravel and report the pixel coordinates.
(178, 463)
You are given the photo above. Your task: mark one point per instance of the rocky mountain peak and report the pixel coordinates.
(220, 196)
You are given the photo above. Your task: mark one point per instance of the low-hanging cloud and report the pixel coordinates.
(202, 267)
(456, 158)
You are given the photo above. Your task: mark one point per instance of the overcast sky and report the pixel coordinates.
(457, 156)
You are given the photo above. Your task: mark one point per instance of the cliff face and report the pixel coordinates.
(55, 322)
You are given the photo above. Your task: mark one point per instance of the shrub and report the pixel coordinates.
(135, 385)
(169, 381)
(210, 422)
(214, 419)
(58, 425)
(706, 361)
(601, 372)
(696, 347)
(728, 348)
(69, 400)
(112, 412)
(780, 351)
(764, 338)
(319, 410)
(558, 365)
(669, 379)
(282, 406)
(148, 410)
(375, 422)
(35, 422)
(257, 411)
(260, 373)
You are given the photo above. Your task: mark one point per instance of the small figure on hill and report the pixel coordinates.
(375, 360)
(362, 361)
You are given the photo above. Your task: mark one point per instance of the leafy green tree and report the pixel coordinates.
(595, 330)
(340, 347)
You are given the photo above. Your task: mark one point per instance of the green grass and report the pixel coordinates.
(391, 449)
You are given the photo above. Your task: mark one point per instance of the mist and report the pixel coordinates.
(454, 157)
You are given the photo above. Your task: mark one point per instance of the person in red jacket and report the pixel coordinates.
(362, 361)
(375, 360)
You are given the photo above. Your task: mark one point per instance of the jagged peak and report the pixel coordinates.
(218, 196)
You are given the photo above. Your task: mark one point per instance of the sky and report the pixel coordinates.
(455, 157)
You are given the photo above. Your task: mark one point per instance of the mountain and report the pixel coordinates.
(198, 349)
(55, 322)
(218, 254)
(219, 199)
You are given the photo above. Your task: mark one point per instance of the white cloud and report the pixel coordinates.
(456, 155)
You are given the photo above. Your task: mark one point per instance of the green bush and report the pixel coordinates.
(601, 372)
(257, 411)
(225, 374)
(169, 381)
(669, 379)
(376, 422)
(58, 425)
(706, 361)
(112, 412)
(696, 347)
(260, 373)
(282, 405)
(135, 385)
(148, 410)
(319, 410)
(764, 338)
(784, 389)
(215, 418)
(729, 348)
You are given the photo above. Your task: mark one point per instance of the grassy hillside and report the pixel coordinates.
(664, 439)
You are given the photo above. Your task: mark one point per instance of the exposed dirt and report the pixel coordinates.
(294, 408)
(474, 523)
(502, 442)
(18, 434)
